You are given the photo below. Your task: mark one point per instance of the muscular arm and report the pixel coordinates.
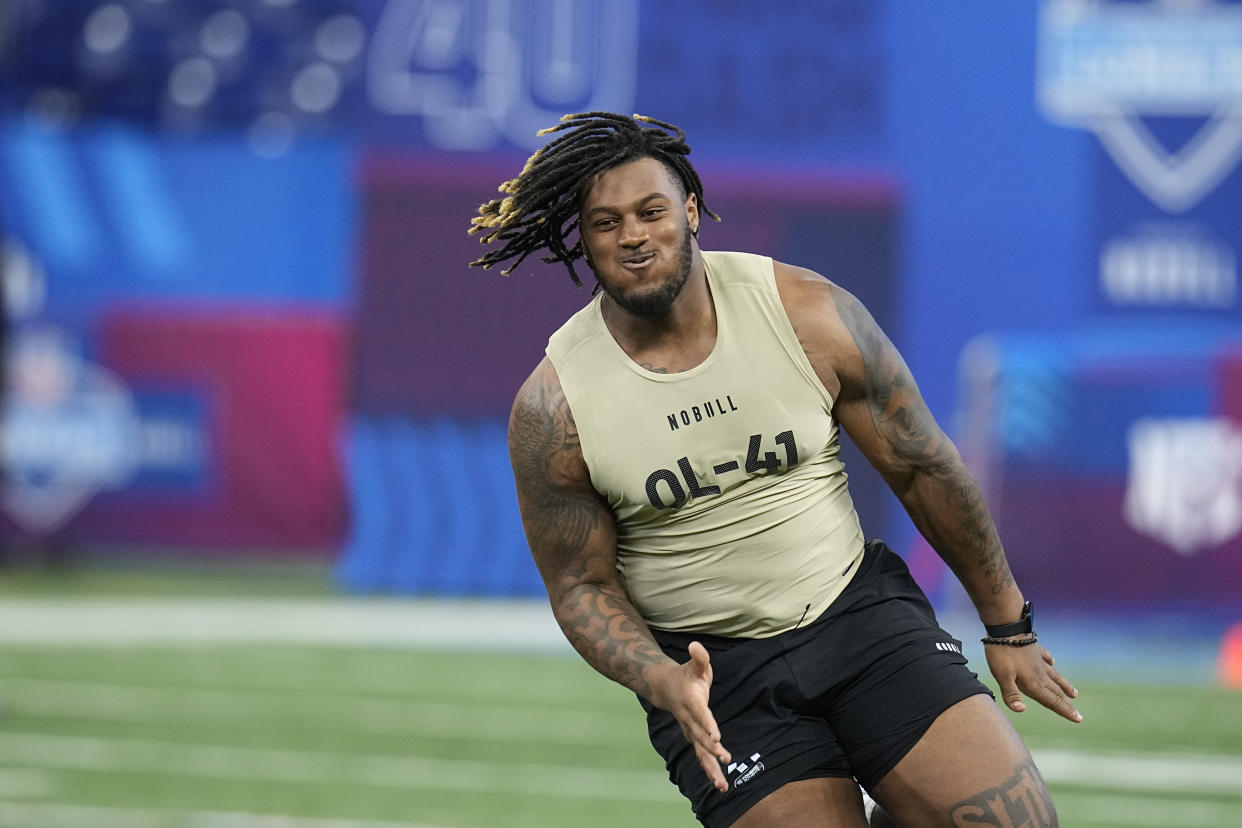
(573, 539)
(880, 407)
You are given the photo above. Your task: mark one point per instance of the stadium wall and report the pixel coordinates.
(1053, 271)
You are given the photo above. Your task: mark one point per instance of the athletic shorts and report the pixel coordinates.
(847, 695)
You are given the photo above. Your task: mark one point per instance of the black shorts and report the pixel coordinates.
(847, 695)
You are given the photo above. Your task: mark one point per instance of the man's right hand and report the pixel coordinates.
(684, 692)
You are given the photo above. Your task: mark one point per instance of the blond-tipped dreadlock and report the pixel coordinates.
(540, 209)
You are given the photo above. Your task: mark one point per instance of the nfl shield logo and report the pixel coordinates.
(1107, 66)
(1185, 482)
(68, 429)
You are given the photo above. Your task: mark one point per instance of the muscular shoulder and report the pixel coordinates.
(543, 437)
(827, 320)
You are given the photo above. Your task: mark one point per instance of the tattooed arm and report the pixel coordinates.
(572, 536)
(879, 405)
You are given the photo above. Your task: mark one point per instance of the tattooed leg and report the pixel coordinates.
(969, 770)
(1022, 801)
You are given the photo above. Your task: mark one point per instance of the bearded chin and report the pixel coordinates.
(658, 302)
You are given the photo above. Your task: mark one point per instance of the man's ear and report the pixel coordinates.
(692, 213)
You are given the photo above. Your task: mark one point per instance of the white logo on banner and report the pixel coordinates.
(1104, 66)
(479, 70)
(1165, 267)
(70, 429)
(1185, 482)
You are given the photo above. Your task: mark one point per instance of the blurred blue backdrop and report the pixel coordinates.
(240, 317)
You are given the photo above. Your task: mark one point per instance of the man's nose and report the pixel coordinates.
(633, 232)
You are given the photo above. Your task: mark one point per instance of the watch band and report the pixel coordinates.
(1025, 624)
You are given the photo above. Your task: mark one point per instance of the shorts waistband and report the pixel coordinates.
(679, 640)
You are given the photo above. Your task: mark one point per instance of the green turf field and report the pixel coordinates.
(214, 735)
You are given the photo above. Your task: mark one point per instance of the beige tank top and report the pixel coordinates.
(732, 510)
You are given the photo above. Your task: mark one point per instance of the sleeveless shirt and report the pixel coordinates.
(732, 511)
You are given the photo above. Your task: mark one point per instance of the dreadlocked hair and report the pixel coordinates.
(540, 206)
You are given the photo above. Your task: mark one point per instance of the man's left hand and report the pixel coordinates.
(1030, 671)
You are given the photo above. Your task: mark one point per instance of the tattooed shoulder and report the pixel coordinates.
(542, 429)
(875, 349)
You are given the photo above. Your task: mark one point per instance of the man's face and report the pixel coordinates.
(636, 227)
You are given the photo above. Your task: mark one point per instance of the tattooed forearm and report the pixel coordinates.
(607, 631)
(1023, 800)
(572, 539)
(921, 463)
(950, 511)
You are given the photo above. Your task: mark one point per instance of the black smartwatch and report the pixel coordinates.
(1025, 624)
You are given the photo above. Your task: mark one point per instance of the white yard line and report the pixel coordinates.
(1146, 811)
(75, 816)
(488, 624)
(1147, 772)
(514, 775)
(25, 783)
(1192, 773)
(482, 720)
(508, 625)
(1121, 812)
(1101, 810)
